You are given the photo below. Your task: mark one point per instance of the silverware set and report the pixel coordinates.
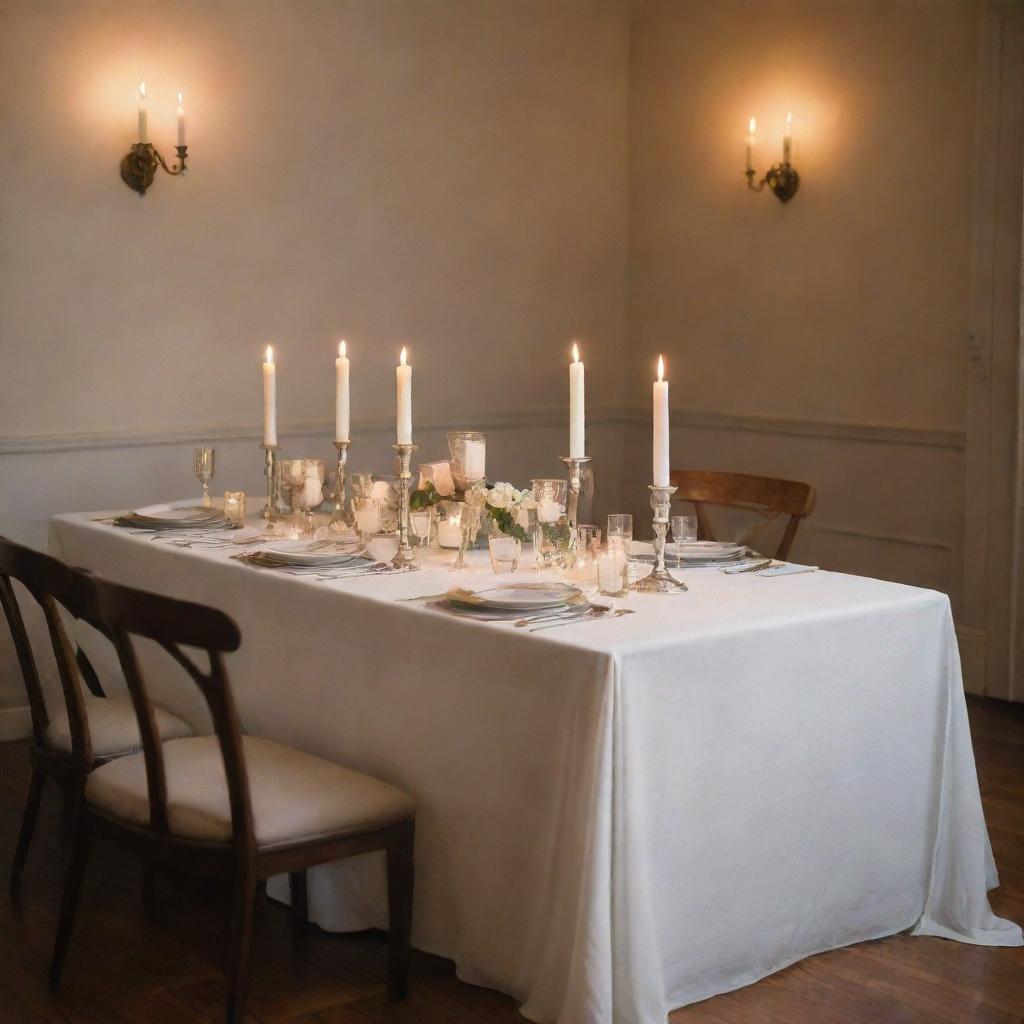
(535, 623)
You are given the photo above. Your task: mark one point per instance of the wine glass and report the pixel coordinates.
(684, 531)
(202, 466)
(304, 479)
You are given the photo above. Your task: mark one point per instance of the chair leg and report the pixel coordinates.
(148, 889)
(300, 900)
(28, 827)
(400, 889)
(80, 847)
(240, 951)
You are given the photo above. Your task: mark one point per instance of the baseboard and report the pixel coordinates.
(15, 723)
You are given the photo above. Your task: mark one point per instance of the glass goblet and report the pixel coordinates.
(305, 480)
(684, 531)
(202, 466)
(421, 523)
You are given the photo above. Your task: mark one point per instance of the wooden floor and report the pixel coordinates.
(123, 969)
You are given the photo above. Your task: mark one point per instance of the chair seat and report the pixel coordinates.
(295, 796)
(113, 727)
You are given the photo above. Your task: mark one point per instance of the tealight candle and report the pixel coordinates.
(234, 506)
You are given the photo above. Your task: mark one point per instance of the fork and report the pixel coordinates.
(589, 616)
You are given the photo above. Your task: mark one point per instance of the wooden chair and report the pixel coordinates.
(229, 805)
(782, 497)
(68, 744)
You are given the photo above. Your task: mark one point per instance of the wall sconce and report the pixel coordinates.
(782, 178)
(138, 168)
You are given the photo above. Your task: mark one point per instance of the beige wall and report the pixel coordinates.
(484, 179)
(824, 339)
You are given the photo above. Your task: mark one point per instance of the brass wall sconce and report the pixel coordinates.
(138, 167)
(782, 178)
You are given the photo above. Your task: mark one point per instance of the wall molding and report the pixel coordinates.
(505, 419)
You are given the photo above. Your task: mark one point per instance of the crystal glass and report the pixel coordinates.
(468, 449)
(202, 466)
(421, 523)
(620, 526)
(449, 523)
(550, 497)
(304, 479)
(612, 580)
(580, 568)
(234, 506)
(505, 553)
(367, 515)
(386, 491)
(589, 537)
(553, 538)
(684, 530)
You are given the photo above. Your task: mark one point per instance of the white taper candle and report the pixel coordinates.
(181, 120)
(143, 116)
(577, 413)
(341, 395)
(269, 399)
(403, 381)
(661, 459)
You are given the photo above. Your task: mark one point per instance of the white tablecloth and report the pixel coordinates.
(616, 819)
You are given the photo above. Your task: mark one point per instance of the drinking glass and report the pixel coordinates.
(504, 553)
(684, 530)
(304, 479)
(202, 466)
(234, 506)
(620, 526)
(611, 571)
(421, 523)
(589, 536)
(367, 515)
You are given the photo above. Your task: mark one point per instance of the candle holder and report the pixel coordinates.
(782, 179)
(138, 167)
(270, 472)
(405, 559)
(339, 505)
(660, 580)
(575, 466)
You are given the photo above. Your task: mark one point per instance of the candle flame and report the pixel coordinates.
(661, 368)
(342, 348)
(142, 90)
(180, 100)
(270, 354)
(752, 127)
(789, 122)
(402, 357)
(575, 352)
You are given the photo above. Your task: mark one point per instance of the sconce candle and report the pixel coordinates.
(269, 399)
(181, 120)
(751, 142)
(661, 427)
(143, 114)
(781, 178)
(787, 139)
(403, 383)
(577, 415)
(341, 395)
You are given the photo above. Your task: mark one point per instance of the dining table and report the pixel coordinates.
(618, 816)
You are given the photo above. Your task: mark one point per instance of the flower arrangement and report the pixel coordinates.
(500, 502)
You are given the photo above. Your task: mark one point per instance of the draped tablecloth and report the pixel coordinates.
(620, 817)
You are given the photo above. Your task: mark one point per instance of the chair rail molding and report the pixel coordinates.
(992, 570)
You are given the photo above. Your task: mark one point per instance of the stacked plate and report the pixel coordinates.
(311, 555)
(514, 600)
(174, 517)
(693, 554)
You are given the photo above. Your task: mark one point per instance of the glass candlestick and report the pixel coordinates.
(339, 505)
(270, 472)
(659, 580)
(575, 466)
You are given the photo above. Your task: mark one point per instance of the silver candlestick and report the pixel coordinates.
(660, 581)
(270, 472)
(339, 505)
(405, 559)
(575, 466)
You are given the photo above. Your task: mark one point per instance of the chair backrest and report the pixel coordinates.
(36, 572)
(782, 497)
(125, 614)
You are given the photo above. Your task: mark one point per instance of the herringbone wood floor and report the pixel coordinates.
(125, 969)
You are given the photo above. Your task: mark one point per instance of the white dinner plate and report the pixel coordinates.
(517, 597)
(305, 552)
(710, 549)
(178, 514)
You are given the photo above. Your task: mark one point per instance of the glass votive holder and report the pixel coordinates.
(505, 553)
(421, 524)
(449, 524)
(620, 525)
(382, 547)
(550, 497)
(612, 580)
(234, 506)
(367, 515)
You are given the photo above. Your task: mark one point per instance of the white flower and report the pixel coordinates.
(503, 495)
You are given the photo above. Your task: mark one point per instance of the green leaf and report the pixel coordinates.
(425, 497)
(508, 525)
